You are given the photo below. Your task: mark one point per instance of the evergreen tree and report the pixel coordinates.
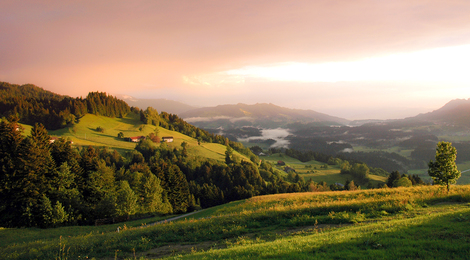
(177, 189)
(151, 195)
(395, 175)
(35, 169)
(126, 200)
(10, 140)
(228, 155)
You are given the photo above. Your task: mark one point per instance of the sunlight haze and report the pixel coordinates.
(351, 59)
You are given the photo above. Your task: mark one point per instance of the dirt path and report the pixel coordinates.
(173, 218)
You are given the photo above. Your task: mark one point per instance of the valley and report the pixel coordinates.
(154, 129)
(404, 145)
(305, 187)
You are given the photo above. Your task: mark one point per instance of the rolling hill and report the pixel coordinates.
(84, 133)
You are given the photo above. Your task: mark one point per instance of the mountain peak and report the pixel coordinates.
(454, 104)
(456, 111)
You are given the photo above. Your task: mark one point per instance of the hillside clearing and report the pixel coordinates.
(84, 134)
(315, 170)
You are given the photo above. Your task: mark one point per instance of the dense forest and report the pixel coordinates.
(45, 183)
(32, 105)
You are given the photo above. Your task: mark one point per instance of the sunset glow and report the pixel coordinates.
(352, 59)
(445, 65)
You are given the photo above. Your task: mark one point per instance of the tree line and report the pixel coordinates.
(32, 105)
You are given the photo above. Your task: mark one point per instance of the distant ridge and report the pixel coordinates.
(456, 112)
(169, 106)
(260, 111)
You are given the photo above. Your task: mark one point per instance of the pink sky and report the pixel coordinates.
(352, 59)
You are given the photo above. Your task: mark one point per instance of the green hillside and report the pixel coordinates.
(401, 223)
(315, 171)
(84, 133)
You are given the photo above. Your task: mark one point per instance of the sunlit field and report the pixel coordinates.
(380, 223)
(316, 171)
(84, 133)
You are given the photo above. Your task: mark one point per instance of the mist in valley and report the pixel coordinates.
(279, 135)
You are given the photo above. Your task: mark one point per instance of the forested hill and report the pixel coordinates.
(32, 104)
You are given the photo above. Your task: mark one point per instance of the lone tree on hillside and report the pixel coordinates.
(444, 170)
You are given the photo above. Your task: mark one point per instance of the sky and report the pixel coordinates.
(355, 59)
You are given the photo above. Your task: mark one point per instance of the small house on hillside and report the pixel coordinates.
(136, 139)
(53, 139)
(167, 139)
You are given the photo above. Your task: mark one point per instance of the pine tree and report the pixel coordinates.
(177, 189)
(10, 142)
(126, 200)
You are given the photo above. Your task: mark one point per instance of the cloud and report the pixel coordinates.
(177, 49)
(444, 64)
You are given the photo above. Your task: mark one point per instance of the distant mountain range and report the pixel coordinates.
(455, 112)
(169, 106)
(261, 114)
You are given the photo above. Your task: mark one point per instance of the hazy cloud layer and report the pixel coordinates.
(177, 49)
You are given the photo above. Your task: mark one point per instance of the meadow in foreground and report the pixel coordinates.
(418, 222)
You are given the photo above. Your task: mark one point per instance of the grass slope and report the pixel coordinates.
(313, 170)
(419, 222)
(84, 133)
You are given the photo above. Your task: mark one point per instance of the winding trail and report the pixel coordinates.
(173, 218)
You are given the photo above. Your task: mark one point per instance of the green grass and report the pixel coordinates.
(418, 222)
(312, 170)
(84, 133)
(215, 211)
(440, 236)
(15, 236)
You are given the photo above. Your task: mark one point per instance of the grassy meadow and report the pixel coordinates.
(84, 133)
(314, 170)
(419, 222)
